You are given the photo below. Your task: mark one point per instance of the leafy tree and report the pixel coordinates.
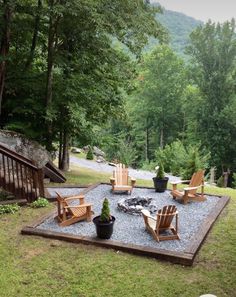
(64, 72)
(156, 106)
(213, 51)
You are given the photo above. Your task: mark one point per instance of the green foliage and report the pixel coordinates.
(68, 51)
(125, 153)
(194, 162)
(182, 160)
(146, 165)
(220, 182)
(234, 180)
(160, 174)
(5, 195)
(156, 106)
(172, 156)
(89, 155)
(213, 52)
(40, 202)
(9, 208)
(105, 213)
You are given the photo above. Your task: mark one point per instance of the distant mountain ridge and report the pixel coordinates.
(179, 26)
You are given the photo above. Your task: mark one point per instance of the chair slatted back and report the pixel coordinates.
(60, 203)
(75, 211)
(196, 180)
(121, 174)
(165, 216)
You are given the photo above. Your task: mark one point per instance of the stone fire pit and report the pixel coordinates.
(134, 205)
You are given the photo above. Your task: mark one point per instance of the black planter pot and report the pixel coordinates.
(104, 230)
(160, 185)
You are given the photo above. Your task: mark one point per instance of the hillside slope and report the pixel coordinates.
(179, 27)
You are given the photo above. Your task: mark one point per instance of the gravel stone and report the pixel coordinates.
(65, 192)
(130, 229)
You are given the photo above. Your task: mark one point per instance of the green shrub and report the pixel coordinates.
(40, 202)
(89, 155)
(146, 165)
(220, 182)
(194, 162)
(105, 213)
(125, 153)
(182, 161)
(234, 181)
(9, 208)
(160, 172)
(172, 157)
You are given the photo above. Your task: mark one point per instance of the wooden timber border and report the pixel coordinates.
(184, 258)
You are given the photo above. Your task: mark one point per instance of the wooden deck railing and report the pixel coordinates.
(19, 176)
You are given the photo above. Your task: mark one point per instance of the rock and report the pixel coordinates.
(153, 207)
(75, 150)
(27, 148)
(97, 152)
(86, 148)
(134, 205)
(100, 159)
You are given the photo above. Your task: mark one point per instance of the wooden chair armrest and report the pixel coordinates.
(74, 197)
(147, 214)
(78, 206)
(179, 182)
(152, 218)
(191, 188)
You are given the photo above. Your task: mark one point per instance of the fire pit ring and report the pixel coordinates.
(134, 205)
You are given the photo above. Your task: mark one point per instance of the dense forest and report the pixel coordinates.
(76, 73)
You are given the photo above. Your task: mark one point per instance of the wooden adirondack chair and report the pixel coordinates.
(162, 222)
(190, 193)
(120, 179)
(70, 214)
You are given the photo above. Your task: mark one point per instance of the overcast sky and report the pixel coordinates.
(216, 10)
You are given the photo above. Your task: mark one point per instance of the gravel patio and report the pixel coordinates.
(130, 229)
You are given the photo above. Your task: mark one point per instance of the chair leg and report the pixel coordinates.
(185, 198)
(89, 214)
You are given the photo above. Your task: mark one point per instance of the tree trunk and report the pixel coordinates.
(4, 49)
(52, 44)
(48, 98)
(147, 144)
(60, 148)
(161, 138)
(35, 35)
(226, 177)
(64, 164)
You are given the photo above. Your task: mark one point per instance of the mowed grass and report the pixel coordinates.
(34, 266)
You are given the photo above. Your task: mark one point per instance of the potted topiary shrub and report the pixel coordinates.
(160, 181)
(104, 222)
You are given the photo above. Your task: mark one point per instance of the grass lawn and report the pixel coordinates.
(34, 266)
